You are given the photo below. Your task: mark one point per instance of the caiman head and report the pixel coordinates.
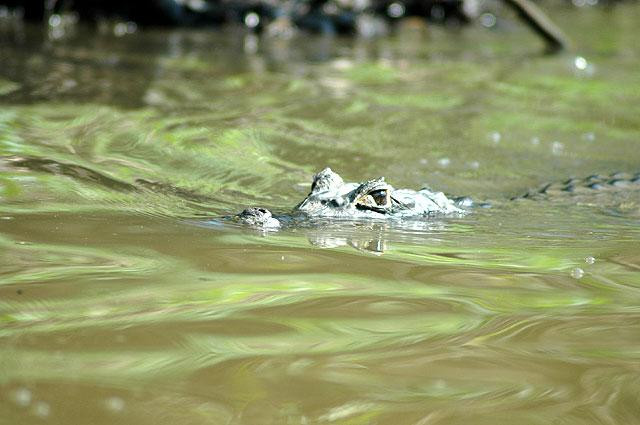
(330, 196)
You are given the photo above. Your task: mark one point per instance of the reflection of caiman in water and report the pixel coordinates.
(331, 197)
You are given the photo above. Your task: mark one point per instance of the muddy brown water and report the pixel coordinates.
(124, 299)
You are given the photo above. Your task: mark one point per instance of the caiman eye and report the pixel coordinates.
(380, 196)
(375, 200)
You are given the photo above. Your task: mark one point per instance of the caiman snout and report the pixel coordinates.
(258, 217)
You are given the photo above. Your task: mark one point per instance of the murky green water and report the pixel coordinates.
(123, 300)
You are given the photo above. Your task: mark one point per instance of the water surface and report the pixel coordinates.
(125, 299)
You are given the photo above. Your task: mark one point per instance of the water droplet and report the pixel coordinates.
(535, 141)
(495, 137)
(590, 260)
(557, 148)
(580, 63)
(488, 20)
(22, 397)
(115, 404)
(583, 67)
(395, 10)
(282, 258)
(423, 161)
(55, 20)
(41, 409)
(474, 165)
(252, 20)
(444, 162)
(577, 273)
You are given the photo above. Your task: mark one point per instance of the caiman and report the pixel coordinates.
(373, 200)
(331, 197)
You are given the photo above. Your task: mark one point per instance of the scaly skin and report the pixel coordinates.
(584, 186)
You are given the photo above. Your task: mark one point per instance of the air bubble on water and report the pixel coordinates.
(252, 20)
(583, 67)
(580, 63)
(55, 20)
(41, 409)
(488, 20)
(577, 273)
(115, 404)
(22, 397)
(395, 10)
(557, 147)
(444, 162)
(590, 260)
